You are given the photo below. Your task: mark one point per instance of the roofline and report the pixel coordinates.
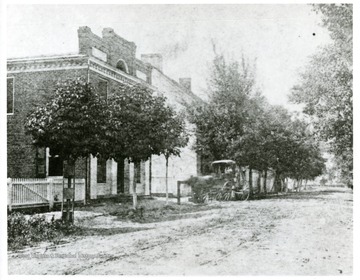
(189, 92)
(54, 58)
(46, 57)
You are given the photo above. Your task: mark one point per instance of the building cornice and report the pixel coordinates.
(71, 62)
(115, 74)
(50, 63)
(44, 57)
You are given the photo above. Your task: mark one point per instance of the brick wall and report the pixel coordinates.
(31, 89)
(110, 43)
(116, 49)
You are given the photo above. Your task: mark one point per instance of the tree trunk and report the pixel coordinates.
(259, 182)
(134, 189)
(265, 178)
(68, 215)
(282, 182)
(87, 183)
(166, 180)
(150, 175)
(298, 185)
(250, 182)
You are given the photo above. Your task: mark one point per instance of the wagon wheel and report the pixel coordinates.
(227, 190)
(227, 196)
(205, 197)
(219, 195)
(245, 192)
(244, 195)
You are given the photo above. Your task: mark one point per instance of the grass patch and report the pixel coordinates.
(25, 230)
(149, 210)
(29, 231)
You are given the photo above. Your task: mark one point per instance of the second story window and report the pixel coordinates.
(10, 95)
(121, 65)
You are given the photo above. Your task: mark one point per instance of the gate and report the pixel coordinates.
(27, 192)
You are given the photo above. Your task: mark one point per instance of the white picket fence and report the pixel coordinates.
(39, 191)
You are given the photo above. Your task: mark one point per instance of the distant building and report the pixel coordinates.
(105, 62)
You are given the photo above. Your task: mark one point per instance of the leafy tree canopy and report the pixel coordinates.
(73, 123)
(142, 124)
(326, 85)
(239, 124)
(132, 123)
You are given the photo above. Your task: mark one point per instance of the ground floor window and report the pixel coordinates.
(40, 163)
(137, 167)
(55, 165)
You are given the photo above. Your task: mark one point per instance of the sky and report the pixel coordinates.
(280, 38)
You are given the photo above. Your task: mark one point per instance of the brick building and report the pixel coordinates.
(105, 62)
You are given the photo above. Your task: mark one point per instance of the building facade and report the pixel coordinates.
(105, 62)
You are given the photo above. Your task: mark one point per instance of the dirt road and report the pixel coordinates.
(308, 233)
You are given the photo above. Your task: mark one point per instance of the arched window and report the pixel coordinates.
(121, 65)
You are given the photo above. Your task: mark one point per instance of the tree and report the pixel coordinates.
(279, 143)
(142, 125)
(239, 124)
(220, 122)
(308, 162)
(174, 138)
(131, 117)
(73, 124)
(325, 87)
(290, 148)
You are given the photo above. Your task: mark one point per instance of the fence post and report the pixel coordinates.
(9, 185)
(50, 192)
(178, 192)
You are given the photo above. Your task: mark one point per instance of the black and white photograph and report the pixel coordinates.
(185, 139)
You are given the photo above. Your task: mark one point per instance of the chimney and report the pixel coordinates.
(155, 59)
(112, 38)
(84, 35)
(84, 29)
(185, 83)
(108, 32)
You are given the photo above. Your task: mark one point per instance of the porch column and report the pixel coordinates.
(93, 177)
(147, 177)
(113, 174)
